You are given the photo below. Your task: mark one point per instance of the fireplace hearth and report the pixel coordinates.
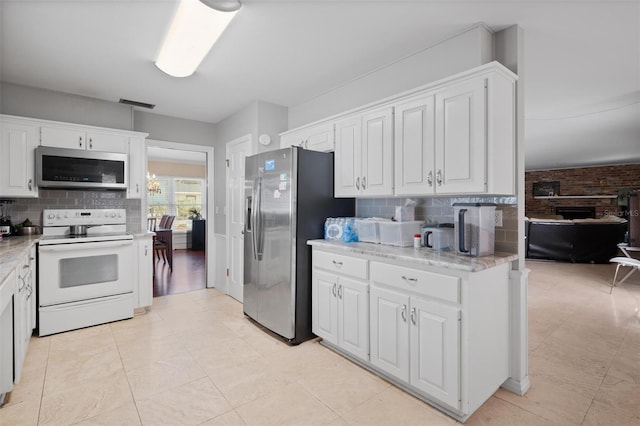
(576, 212)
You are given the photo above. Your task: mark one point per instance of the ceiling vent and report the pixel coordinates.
(136, 103)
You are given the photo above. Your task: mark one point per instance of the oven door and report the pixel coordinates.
(82, 271)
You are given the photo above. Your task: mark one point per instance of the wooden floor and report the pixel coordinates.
(189, 273)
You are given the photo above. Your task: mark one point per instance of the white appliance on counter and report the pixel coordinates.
(85, 270)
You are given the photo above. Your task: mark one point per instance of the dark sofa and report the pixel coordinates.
(579, 240)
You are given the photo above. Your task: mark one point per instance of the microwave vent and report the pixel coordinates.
(136, 103)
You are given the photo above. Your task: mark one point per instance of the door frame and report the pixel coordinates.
(209, 237)
(242, 139)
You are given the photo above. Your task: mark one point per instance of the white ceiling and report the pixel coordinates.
(581, 71)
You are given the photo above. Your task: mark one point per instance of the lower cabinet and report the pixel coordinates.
(143, 291)
(7, 294)
(441, 334)
(24, 311)
(341, 312)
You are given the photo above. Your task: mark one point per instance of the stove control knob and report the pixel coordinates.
(58, 216)
(113, 214)
(51, 216)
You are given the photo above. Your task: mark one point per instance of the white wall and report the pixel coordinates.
(272, 120)
(57, 106)
(458, 53)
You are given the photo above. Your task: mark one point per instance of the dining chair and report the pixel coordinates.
(160, 246)
(627, 261)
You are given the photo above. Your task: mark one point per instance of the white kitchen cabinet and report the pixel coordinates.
(458, 137)
(364, 154)
(316, 138)
(137, 187)
(143, 291)
(19, 140)
(7, 291)
(23, 315)
(340, 303)
(439, 332)
(76, 137)
(390, 332)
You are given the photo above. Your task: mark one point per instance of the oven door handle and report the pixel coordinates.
(84, 246)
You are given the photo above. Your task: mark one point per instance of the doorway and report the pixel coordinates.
(184, 175)
(236, 151)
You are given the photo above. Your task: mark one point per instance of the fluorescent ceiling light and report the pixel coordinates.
(194, 30)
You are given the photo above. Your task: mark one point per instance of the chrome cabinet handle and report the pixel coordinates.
(138, 188)
(145, 249)
(439, 177)
(430, 178)
(404, 313)
(333, 290)
(306, 143)
(364, 182)
(413, 315)
(358, 183)
(411, 279)
(80, 141)
(90, 143)
(337, 264)
(340, 291)
(30, 184)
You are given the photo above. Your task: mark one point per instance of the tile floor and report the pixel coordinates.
(193, 359)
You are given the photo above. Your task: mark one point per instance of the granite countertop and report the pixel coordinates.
(421, 256)
(12, 252)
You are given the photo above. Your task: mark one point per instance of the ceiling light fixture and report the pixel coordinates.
(196, 26)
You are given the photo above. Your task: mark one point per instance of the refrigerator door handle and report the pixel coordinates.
(252, 219)
(258, 231)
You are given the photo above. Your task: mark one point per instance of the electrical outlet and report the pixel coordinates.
(498, 221)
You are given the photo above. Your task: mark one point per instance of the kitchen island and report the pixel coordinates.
(435, 324)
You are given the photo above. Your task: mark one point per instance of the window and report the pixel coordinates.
(182, 197)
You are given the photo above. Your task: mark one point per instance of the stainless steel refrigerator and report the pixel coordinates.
(288, 196)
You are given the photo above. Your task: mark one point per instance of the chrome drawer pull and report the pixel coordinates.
(338, 264)
(413, 280)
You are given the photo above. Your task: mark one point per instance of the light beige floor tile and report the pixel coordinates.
(125, 415)
(394, 407)
(77, 371)
(91, 399)
(344, 387)
(292, 405)
(86, 338)
(24, 413)
(265, 343)
(210, 337)
(620, 395)
(564, 374)
(603, 415)
(626, 364)
(221, 355)
(230, 418)
(190, 404)
(148, 350)
(160, 376)
(30, 387)
(37, 354)
(554, 401)
(246, 382)
(496, 412)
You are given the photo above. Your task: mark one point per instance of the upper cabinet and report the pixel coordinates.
(74, 137)
(455, 136)
(19, 139)
(316, 138)
(137, 167)
(364, 154)
(458, 138)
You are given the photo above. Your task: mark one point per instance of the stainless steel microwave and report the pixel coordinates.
(80, 169)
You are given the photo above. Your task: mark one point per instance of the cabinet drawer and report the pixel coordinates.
(422, 282)
(343, 265)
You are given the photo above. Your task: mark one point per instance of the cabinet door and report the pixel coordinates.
(17, 158)
(390, 332)
(348, 157)
(292, 139)
(107, 142)
(320, 138)
(377, 152)
(145, 272)
(435, 350)
(414, 147)
(63, 137)
(353, 317)
(137, 168)
(461, 151)
(324, 308)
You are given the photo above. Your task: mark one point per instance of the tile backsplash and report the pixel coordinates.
(440, 210)
(31, 208)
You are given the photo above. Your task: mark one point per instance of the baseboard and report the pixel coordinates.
(517, 387)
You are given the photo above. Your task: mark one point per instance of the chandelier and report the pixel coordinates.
(153, 186)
